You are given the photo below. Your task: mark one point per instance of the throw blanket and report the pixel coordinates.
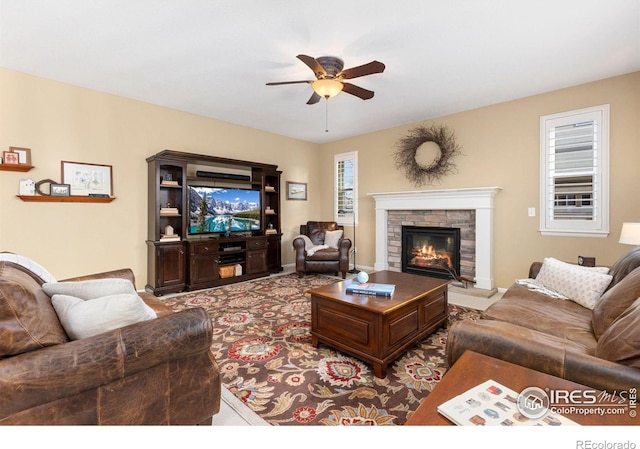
(531, 284)
(309, 247)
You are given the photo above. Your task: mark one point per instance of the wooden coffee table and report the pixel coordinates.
(379, 329)
(472, 369)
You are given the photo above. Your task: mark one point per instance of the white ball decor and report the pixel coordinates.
(362, 277)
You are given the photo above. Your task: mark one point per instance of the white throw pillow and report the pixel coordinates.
(82, 319)
(331, 238)
(583, 285)
(90, 289)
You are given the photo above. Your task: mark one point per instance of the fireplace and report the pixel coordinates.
(431, 251)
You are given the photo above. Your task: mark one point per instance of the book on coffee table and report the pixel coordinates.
(493, 404)
(370, 288)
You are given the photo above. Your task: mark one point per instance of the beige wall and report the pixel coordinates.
(62, 122)
(499, 144)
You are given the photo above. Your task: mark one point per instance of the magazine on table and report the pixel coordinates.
(370, 288)
(493, 404)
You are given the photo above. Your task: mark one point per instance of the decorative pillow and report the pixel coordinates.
(331, 238)
(583, 285)
(82, 319)
(615, 301)
(27, 319)
(90, 289)
(621, 341)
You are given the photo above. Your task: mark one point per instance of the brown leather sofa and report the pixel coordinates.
(598, 348)
(334, 260)
(157, 372)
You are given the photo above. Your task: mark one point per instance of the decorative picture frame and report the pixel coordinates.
(60, 189)
(297, 191)
(10, 158)
(23, 153)
(87, 179)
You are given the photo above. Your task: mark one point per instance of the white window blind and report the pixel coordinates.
(574, 172)
(345, 187)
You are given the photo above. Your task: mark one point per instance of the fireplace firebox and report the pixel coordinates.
(431, 251)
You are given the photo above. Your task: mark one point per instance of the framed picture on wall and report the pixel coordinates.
(88, 179)
(296, 190)
(24, 155)
(11, 158)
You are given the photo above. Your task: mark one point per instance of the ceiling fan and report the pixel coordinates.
(329, 77)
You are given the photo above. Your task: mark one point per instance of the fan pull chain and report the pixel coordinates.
(326, 120)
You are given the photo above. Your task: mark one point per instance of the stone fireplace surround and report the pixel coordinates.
(478, 199)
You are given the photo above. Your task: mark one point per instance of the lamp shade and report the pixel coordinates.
(327, 88)
(630, 234)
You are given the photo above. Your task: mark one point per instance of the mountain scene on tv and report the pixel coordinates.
(214, 209)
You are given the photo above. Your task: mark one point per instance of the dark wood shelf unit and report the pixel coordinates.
(195, 263)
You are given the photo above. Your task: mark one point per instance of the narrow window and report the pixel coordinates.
(346, 188)
(574, 173)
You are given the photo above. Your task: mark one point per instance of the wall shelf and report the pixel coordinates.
(15, 167)
(64, 199)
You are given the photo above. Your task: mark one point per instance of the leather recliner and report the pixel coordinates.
(325, 260)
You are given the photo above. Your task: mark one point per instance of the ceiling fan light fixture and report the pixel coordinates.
(327, 88)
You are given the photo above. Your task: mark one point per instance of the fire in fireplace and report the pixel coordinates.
(431, 251)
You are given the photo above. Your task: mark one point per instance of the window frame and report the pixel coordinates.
(599, 225)
(345, 218)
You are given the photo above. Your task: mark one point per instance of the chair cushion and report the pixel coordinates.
(615, 301)
(537, 311)
(328, 254)
(621, 341)
(27, 318)
(625, 265)
(332, 238)
(316, 230)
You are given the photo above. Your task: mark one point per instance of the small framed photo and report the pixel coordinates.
(296, 190)
(88, 179)
(24, 154)
(60, 189)
(10, 157)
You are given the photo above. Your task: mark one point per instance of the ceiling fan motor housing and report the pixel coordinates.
(331, 65)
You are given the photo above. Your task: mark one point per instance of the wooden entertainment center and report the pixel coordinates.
(185, 261)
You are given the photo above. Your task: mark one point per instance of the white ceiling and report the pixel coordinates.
(213, 57)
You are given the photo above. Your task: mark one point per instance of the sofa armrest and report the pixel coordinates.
(538, 351)
(55, 372)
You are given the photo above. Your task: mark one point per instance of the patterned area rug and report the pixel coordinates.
(262, 344)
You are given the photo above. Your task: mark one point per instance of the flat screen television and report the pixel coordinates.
(223, 210)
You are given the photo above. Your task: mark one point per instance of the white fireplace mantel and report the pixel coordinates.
(479, 199)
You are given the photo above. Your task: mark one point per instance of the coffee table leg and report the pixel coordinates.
(314, 341)
(380, 369)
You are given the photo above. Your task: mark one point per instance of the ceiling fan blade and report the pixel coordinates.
(362, 70)
(314, 98)
(359, 92)
(314, 65)
(289, 82)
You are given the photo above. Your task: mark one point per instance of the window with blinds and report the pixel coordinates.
(574, 172)
(346, 187)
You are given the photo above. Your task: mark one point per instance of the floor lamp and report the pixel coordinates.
(354, 270)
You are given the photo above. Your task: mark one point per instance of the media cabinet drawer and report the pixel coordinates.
(204, 248)
(256, 243)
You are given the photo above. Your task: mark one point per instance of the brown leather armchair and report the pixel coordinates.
(311, 257)
(156, 372)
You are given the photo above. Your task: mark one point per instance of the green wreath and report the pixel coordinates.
(407, 148)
